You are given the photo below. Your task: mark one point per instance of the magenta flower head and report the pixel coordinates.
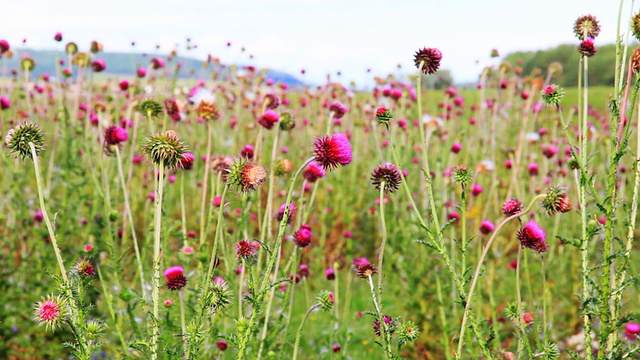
(58, 37)
(331, 151)
(338, 109)
(141, 72)
(631, 331)
(175, 277)
(383, 115)
(533, 236)
(187, 160)
(389, 174)
(511, 207)
(533, 168)
(268, 119)
(428, 60)
(487, 227)
(330, 274)
(587, 48)
(271, 101)
(456, 147)
(4, 103)
(4, 46)
(302, 237)
(98, 65)
(115, 135)
(313, 172)
(157, 63)
(292, 211)
(247, 151)
(388, 320)
(247, 249)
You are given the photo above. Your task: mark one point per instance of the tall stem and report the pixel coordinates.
(205, 182)
(45, 214)
(299, 334)
(157, 227)
(127, 209)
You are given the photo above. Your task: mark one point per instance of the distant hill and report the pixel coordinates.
(126, 64)
(601, 65)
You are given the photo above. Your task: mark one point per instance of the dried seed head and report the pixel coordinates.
(586, 27)
(245, 175)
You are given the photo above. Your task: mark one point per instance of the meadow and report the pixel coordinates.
(230, 216)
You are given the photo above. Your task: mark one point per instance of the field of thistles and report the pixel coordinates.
(231, 216)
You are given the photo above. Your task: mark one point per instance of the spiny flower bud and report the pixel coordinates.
(462, 175)
(383, 115)
(245, 175)
(552, 94)
(635, 26)
(165, 149)
(302, 237)
(533, 236)
(407, 332)
(556, 200)
(85, 267)
(325, 299)
(150, 108)
(220, 294)
(428, 60)
(19, 137)
(586, 27)
(283, 166)
(389, 174)
(286, 121)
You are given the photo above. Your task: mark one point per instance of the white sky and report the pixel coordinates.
(320, 36)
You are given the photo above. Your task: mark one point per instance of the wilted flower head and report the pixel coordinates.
(271, 101)
(173, 109)
(390, 325)
(552, 94)
(313, 172)
(389, 174)
(338, 109)
(49, 311)
(325, 299)
(19, 137)
(245, 175)
(207, 110)
(332, 151)
(586, 27)
(533, 236)
(165, 149)
(428, 60)
(175, 277)
(556, 200)
(587, 47)
(365, 270)
(247, 249)
(302, 237)
(511, 207)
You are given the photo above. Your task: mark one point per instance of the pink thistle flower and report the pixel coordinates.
(476, 189)
(38, 217)
(338, 109)
(456, 147)
(124, 85)
(222, 345)
(247, 249)
(49, 312)
(511, 207)
(330, 274)
(4, 46)
(550, 151)
(157, 63)
(333, 151)
(58, 37)
(115, 135)
(98, 65)
(631, 331)
(247, 151)
(302, 237)
(88, 248)
(533, 169)
(533, 236)
(141, 72)
(175, 277)
(168, 303)
(313, 172)
(280, 215)
(527, 318)
(4, 103)
(487, 227)
(303, 270)
(186, 160)
(268, 119)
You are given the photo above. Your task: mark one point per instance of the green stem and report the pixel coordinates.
(129, 215)
(157, 227)
(299, 334)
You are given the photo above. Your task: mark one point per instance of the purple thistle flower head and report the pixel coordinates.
(533, 236)
(332, 151)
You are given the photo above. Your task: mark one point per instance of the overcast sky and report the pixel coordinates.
(319, 36)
